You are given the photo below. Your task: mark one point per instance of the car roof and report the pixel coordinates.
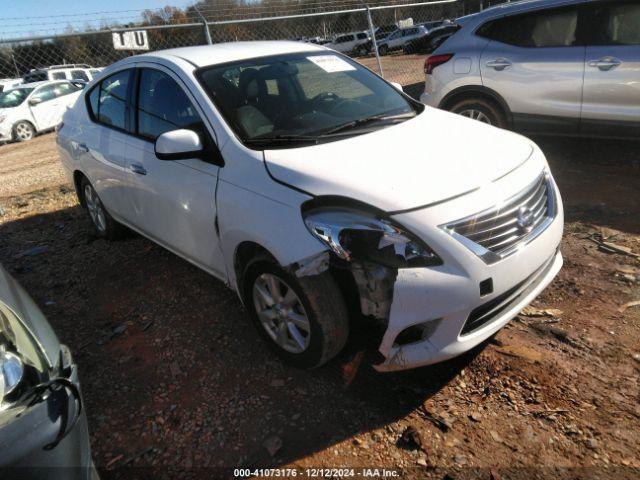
(521, 6)
(204, 55)
(38, 84)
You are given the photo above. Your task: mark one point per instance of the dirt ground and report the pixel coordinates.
(177, 383)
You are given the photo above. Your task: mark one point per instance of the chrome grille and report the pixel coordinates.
(495, 233)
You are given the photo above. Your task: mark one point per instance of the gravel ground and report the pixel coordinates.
(176, 380)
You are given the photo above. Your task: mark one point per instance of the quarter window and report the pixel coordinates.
(548, 28)
(163, 106)
(108, 100)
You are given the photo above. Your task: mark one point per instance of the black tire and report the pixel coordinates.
(23, 131)
(383, 50)
(490, 113)
(104, 226)
(323, 304)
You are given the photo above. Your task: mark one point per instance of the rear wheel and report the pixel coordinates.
(481, 110)
(23, 131)
(105, 226)
(303, 320)
(383, 49)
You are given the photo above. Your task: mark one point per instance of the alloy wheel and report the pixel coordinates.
(24, 131)
(476, 115)
(96, 210)
(281, 313)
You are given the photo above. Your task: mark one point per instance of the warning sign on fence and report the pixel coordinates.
(133, 40)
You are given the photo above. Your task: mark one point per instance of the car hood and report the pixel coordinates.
(14, 297)
(428, 159)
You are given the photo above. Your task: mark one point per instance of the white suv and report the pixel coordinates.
(554, 66)
(350, 43)
(274, 166)
(80, 72)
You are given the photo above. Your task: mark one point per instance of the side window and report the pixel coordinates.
(548, 28)
(163, 105)
(79, 75)
(108, 100)
(395, 35)
(65, 89)
(45, 94)
(616, 23)
(58, 76)
(362, 36)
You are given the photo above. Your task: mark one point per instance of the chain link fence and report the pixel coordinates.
(344, 25)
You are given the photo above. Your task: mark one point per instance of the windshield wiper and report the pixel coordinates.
(282, 138)
(360, 122)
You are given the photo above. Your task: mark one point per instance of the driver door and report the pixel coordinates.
(172, 201)
(44, 106)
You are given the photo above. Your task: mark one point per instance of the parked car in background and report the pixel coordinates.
(432, 40)
(43, 424)
(62, 72)
(267, 165)
(555, 66)
(7, 83)
(32, 108)
(350, 43)
(398, 39)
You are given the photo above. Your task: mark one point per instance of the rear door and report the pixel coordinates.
(104, 140)
(611, 99)
(45, 107)
(535, 61)
(172, 202)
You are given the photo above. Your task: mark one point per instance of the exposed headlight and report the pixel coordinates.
(11, 366)
(356, 235)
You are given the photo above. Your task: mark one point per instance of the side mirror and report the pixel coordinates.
(35, 101)
(178, 145)
(397, 85)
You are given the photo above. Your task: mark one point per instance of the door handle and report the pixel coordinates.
(605, 63)
(499, 64)
(137, 168)
(83, 148)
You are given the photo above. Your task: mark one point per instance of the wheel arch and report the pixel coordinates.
(471, 91)
(25, 120)
(244, 252)
(77, 183)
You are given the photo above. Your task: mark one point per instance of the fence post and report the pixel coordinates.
(374, 43)
(207, 33)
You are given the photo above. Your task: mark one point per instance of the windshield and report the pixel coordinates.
(302, 96)
(13, 98)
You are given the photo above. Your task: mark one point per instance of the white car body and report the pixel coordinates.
(348, 42)
(206, 212)
(43, 116)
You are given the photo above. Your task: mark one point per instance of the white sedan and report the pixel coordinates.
(32, 108)
(315, 188)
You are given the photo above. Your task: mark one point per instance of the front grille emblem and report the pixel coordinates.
(525, 219)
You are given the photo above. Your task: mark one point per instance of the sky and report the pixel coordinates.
(17, 16)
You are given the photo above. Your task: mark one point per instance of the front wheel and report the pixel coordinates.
(23, 131)
(303, 320)
(481, 110)
(383, 50)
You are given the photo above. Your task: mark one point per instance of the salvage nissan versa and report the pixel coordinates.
(296, 175)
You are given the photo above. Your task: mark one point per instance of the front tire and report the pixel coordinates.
(23, 131)
(383, 50)
(303, 320)
(104, 224)
(481, 110)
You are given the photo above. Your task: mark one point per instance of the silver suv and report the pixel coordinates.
(543, 66)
